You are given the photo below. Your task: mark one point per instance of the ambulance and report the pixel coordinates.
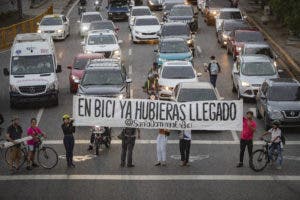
(33, 69)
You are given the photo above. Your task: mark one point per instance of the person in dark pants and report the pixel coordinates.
(128, 141)
(249, 127)
(68, 130)
(213, 69)
(184, 146)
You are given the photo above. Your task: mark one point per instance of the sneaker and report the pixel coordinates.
(183, 164)
(239, 165)
(122, 165)
(157, 164)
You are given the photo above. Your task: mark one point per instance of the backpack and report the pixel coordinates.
(214, 68)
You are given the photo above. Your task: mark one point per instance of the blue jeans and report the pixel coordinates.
(213, 79)
(276, 146)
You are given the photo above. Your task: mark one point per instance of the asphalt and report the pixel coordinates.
(209, 159)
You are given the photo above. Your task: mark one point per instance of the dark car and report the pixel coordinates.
(168, 5)
(104, 25)
(210, 16)
(279, 99)
(154, 4)
(186, 14)
(105, 80)
(118, 9)
(238, 38)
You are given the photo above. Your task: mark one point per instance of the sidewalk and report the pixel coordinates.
(287, 47)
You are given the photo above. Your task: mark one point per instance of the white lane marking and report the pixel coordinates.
(191, 158)
(199, 49)
(131, 93)
(129, 36)
(74, 4)
(220, 142)
(80, 158)
(152, 177)
(296, 158)
(235, 136)
(129, 52)
(130, 69)
(39, 115)
(6, 50)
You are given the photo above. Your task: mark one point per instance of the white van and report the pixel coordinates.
(33, 68)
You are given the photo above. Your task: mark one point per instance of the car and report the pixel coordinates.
(186, 14)
(154, 4)
(104, 25)
(145, 28)
(117, 9)
(85, 21)
(103, 41)
(56, 25)
(78, 67)
(238, 38)
(210, 15)
(228, 13)
(105, 80)
(178, 30)
(173, 72)
(172, 49)
(138, 11)
(227, 27)
(279, 99)
(249, 72)
(168, 5)
(200, 91)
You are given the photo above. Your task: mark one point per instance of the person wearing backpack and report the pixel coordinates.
(213, 69)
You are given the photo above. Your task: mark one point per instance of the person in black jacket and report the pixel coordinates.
(68, 130)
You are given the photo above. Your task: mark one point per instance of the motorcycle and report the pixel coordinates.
(97, 5)
(81, 9)
(101, 135)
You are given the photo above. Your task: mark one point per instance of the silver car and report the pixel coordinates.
(249, 72)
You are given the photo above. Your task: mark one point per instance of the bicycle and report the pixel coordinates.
(46, 156)
(260, 157)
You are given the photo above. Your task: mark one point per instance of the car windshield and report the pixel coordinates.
(178, 72)
(230, 15)
(90, 18)
(141, 12)
(258, 69)
(102, 26)
(280, 93)
(102, 77)
(51, 21)
(252, 36)
(234, 26)
(80, 63)
(181, 12)
(175, 30)
(186, 95)
(40, 64)
(259, 50)
(174, 47)
(119, 4)
(146, 22)
(101, 39)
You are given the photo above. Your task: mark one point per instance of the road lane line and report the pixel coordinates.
(39, 115)
(131, 93)
(199, 49)
(129, 36)
(152, 177)
(130, 69)
(235, 136)
(129, 52)
(74, 4)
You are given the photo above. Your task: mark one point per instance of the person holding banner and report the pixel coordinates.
(128, 136)
(184, 145)
(68, 130)
(161, 146)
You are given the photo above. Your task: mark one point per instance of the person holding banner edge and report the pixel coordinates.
(162, 139)
(128, 137)
(68, 130)
(185, 137)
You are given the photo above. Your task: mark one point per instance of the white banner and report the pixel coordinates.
(144, 113)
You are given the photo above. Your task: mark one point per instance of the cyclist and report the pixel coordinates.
(93, 136)
(68, 130)
(33, 144)
(275, 132)
(151, 84)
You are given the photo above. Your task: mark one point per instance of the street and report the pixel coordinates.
(214, 154)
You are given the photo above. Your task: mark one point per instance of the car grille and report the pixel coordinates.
(256, 85)
(153, 33)
(32, 89)
(107, 54)
(292, 113)
(49, 31)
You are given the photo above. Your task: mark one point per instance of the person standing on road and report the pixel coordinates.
(161, 147)
(213, 69)
(249, 127)
(68, 130)
(185, 138)
(128, 141)
(14, 132)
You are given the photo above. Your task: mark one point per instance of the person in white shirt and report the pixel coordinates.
(162, 139)
(275, 132)
(184, 146)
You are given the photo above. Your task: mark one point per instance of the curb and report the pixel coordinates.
(38, 4)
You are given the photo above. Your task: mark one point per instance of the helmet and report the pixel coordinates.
(276, 123)
(66, 116)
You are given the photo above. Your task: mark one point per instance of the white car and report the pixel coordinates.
(58, 26)
(145, 28)
(173, 72)
(102, 41)
(138, 11)
(228, 13)
(86, 19)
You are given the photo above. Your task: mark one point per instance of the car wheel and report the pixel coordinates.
(266, 126)
(233, 87)
(258, 115)
(238, 93)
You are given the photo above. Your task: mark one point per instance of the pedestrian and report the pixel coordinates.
(14, 132)
(68, 130)
(161, 146)
(36, 134)
(213, 69)
(128, 141)
(276, 143)
(185, 138)
(249, 127)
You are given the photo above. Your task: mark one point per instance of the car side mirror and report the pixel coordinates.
(69, 67)
(5, 72)
(58, 69)
(129, 80)
(82, 43)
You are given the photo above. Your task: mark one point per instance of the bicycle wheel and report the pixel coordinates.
(259, 160)
(22, 157)
(47, 157)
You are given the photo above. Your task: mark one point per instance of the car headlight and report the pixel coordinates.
(190, 41)
(59, 31)
(239, 49)
(224, 36)
(121, 96)
(151, 3)
(137, 32)
(165, 88)
(51, 86)
(275, 114)
(116, 54)
(275, 63)
(109, 13)
(214, 13)
(39, 31)
(245, 84)
(162, 59)
(96, 2)
(13, 88)
(84, 28)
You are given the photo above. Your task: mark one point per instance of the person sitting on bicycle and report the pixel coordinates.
(151, 83)
(93, 136)
(275, 132)
(33, 144)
